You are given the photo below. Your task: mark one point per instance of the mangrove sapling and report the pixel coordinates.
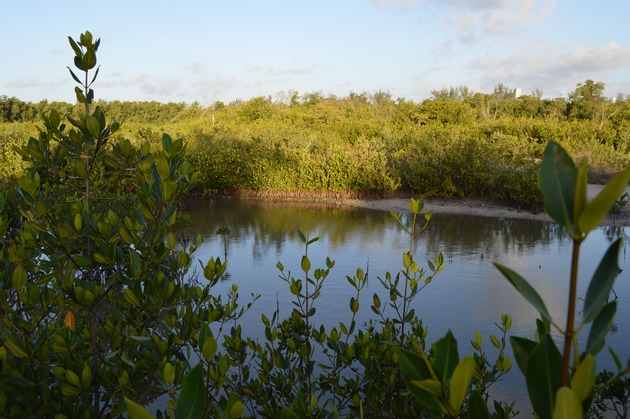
(441, 381)
(306, 292)
(377, 345)
(573, 378)
(561, 384)
(414, 277)
(94, 305)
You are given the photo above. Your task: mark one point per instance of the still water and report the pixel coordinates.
(469, 295)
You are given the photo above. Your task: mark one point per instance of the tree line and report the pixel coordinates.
(446, 105)
(457, 143)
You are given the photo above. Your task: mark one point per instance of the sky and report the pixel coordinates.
(207, 51)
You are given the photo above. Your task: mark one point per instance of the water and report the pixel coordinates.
(469, 295)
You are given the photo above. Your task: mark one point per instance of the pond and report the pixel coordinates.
(469, 295)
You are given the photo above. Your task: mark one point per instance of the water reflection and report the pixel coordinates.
(470, 294)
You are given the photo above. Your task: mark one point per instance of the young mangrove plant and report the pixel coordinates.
(94, 303)
(561, 382)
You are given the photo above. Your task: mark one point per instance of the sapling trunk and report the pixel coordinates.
(569, 329)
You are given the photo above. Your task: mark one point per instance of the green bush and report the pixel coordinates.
(94, 305)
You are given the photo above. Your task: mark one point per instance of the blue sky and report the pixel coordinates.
(207, 51)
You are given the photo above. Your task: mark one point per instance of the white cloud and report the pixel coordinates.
(196, 67)
(489, 17)
(550, 68)
(25, 83)
(274, 72)
(163, 86)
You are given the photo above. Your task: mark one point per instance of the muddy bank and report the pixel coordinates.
(480, 207)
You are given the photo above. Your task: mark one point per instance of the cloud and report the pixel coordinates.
(274, 72)
(153, 86)
(163, 87)
(212, 89)
(25, 83)
(490, 17)
(551, 68)
(610, 56)
(196, 67)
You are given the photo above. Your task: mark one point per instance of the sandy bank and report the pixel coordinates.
(477, 207)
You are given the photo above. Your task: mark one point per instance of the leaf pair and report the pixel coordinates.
(442, 383)
(564, 188)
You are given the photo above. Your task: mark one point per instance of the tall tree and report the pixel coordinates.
(587, 101)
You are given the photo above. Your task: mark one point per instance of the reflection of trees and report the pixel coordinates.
(612, 233)
(470, 235)
(271, 225)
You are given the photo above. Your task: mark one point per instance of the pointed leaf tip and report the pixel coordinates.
(558, 177)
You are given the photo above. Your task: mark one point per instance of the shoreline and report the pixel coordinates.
(482, 208)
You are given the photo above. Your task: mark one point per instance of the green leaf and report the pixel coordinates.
(416, 205)
(73, 378)
(301, 236)
(495, 341)
(162, 167)
(169, 373)
(75, 47)
(583, 379)
(167, 142)
(526, 290)
(171, 241)
(567, 404)
(89, 59)
(416, 368)
(406, 260)
(354, 305)
(597, 209)
(81, 170)
(86, 376)
(460, 382)
(136, 411)
(18, 279)
(131, 297)
(616, 359)
(209, 348)
(80, 95)
(558, 176)
(602, 282)
(288, 414)
(306, 264)
(93, 126)
(20, 381)
(78, 222)
(95, 75)
(236, 411)
(600, 328)
(376, 301)
(101, 259)
(580, 191)
(477, 408)
(543, 376)
(74, 76)
(15, 349)
(191, 397)
(431, 386)
(445, 356)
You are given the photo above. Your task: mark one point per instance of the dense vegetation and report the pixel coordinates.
(455, 144)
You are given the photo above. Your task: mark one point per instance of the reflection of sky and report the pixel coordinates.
(470, 294)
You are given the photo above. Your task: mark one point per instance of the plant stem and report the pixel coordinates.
(407, 272)
(569, 330)
(308, 332)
